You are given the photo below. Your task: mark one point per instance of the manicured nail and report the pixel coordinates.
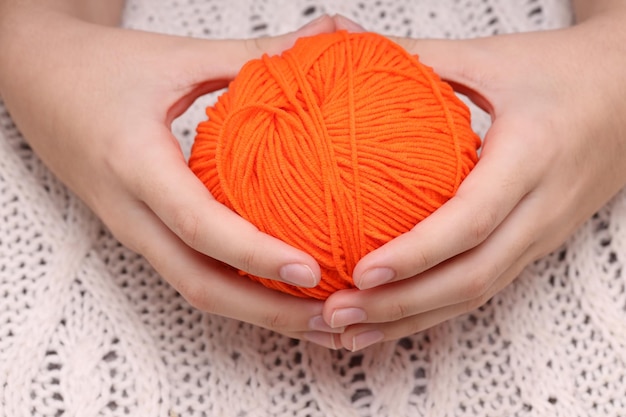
(348, 24)
(314, 21)
(365, 339)
(375, 277)
(323, 339)
(298, 274)
(317, 323)
(347, 316)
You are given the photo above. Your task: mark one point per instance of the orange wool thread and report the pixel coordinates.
(336, 147)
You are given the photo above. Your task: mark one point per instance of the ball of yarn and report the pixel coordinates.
(337, 146)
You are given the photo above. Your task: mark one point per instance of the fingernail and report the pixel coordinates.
(365, 339)
(348, 24)
(298, 274)
(314, 21)
(375, 277)
(323, 339)
(347, 316)
(317, 323)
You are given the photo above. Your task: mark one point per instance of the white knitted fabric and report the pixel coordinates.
(87, 328)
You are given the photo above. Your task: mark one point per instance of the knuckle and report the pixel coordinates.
(251, 256)
(475, 286)
(197, 297)
(476, 303)
(414, 326)
(276, 321)
(397, 311)
(421, 258)
(247, 259)
(185, 226)
(202, 301)
(190, 295)
(481, 225)
(254, 46)
(478, 283)
(423, 261)
(192, 298)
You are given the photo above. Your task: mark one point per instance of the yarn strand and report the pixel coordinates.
(337, 146)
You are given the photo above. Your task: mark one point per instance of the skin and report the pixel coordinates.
(551, 159)
(553, 156)
(96, 102)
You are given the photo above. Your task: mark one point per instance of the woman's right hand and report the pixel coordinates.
(553, 156)
(96, 104)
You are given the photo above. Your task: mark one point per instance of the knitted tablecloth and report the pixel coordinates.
(87, 328)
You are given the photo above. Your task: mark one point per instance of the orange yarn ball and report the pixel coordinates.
(336, 147)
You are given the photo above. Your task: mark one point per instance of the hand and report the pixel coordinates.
(552, 157)
(96, 104)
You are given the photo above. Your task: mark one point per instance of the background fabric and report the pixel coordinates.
(87, 328)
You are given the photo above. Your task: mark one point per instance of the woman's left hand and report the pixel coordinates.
(553, 156)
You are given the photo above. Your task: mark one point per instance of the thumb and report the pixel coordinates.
(465, 64)
(222, 59)
(208, 65)
(277, 44)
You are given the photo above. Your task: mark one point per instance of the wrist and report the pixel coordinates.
(588, 9)
(30, 31)
(101, 12)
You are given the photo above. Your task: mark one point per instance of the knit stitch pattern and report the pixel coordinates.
(87, 328)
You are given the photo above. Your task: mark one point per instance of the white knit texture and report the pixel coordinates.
(87, 328)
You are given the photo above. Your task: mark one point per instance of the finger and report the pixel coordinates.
(470, 66)
(343, 23)
(483, 201)
(465, 62)
(328, 340)
(222, 59)
(464, 279)
(213, 287)
(203, 66)
(159, 176)
(360, 336)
